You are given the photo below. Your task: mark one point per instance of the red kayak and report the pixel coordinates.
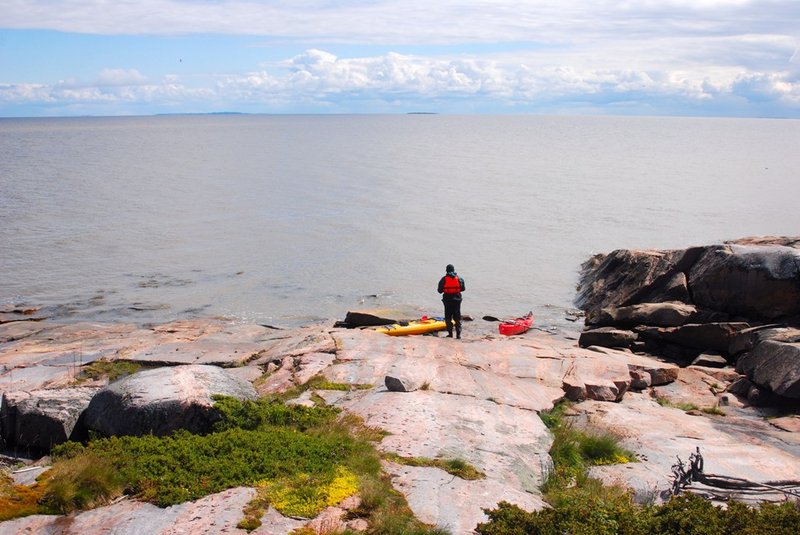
(516, 326)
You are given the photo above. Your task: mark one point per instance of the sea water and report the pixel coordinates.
(290, 220)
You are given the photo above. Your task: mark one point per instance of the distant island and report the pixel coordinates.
(204, 113)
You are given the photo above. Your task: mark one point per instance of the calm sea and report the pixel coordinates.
(289, 220)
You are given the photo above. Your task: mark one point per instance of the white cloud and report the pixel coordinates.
(411, 21)
(120, 77)
(320, 75)
(540, 51)
(320, 80)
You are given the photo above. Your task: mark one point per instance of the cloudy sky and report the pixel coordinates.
(645, 57)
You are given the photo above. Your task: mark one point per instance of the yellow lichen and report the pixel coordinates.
(616, 459)
(305, 497)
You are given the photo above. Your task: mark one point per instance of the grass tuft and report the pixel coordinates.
(456, 467)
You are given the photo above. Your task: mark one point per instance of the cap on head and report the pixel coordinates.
(450, 268)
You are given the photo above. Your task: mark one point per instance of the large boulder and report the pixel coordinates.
(774, 365)
(163, 400)
(669, 314)
(749, 338)
(700, 336)
(760, 282)
(753, 278)
(41, 419)
(607, 337)
(625, 277)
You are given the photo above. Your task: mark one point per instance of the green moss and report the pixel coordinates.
(456, 467)
(686, 407)
(19, 500)
(554, 417)
(112, 369)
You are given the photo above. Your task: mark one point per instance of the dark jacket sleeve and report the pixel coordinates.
(441, 285)
(463, 286)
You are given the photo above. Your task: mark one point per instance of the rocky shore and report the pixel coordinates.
(476, 399)
(735, 304)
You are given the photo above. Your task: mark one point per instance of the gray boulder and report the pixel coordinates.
(163, 400)
(399, 384)
(710, 360)
(669, 314)
(702, 336)
(607, 337)
(749, 338)
(41, 419)
(625, 277)
(640, 380)
(773, 365)
(364, 318)
(760, 282)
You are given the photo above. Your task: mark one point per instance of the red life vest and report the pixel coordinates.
(451, 285)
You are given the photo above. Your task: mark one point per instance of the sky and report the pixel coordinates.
(728, 58)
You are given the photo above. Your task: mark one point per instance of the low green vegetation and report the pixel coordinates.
(686, 407)
(319, 382)
(456, 467)
(112, 369)
(581, 505)
(299, 459)
(574, 450)
(19, 500)
(684, 515)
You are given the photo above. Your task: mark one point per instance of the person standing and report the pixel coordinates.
(451, 286)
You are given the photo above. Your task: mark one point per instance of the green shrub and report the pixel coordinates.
(688, 514)
(772, 518)
(264, 413)
(301, 460)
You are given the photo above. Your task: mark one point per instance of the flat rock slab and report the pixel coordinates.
(527, 373)
(296, 342)
(200, 341)
(440, 499)
(218, 513)
(506, 443)
(693, 386)
(18, 330)
(730, 446)
(36, 377)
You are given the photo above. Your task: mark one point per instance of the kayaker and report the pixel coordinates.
(451, 286)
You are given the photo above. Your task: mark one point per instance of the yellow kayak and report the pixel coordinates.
(420, 326)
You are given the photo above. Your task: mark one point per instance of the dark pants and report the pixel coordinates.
(452, 313)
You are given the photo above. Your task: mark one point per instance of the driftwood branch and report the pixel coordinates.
(691, 478)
